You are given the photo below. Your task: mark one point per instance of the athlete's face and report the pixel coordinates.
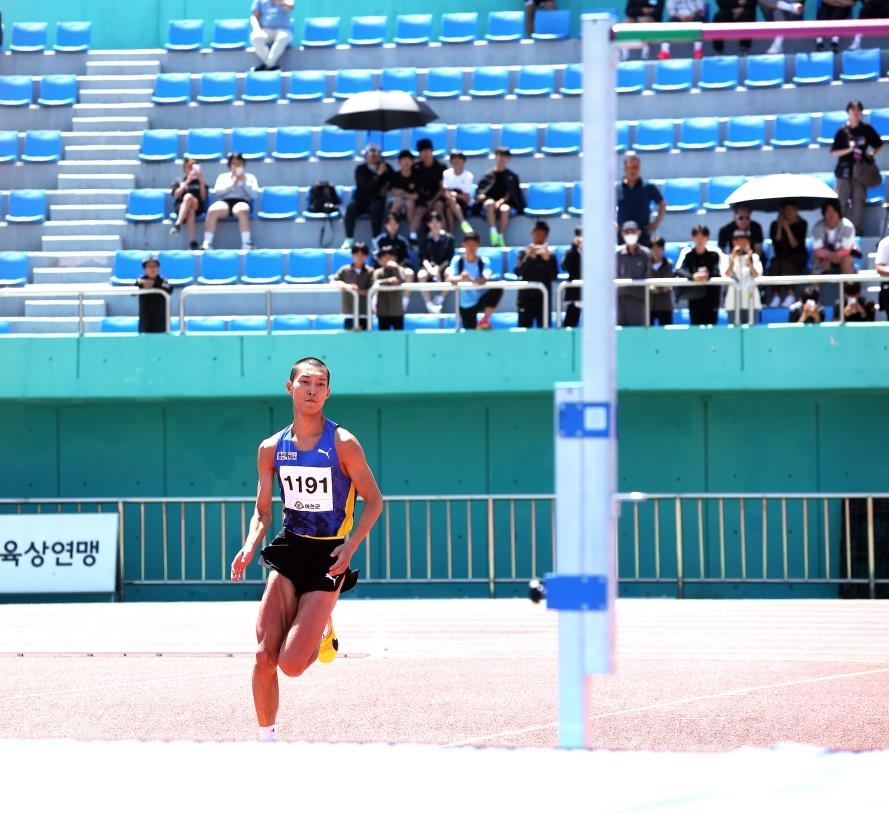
(309, 388)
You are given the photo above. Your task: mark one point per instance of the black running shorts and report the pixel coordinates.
(306, 562)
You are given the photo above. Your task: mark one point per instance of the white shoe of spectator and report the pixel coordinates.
(433, 308)
(777, 46)
(855, 44)
(775, 302)
(788, 301)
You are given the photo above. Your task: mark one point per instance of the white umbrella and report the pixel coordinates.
(768, 192)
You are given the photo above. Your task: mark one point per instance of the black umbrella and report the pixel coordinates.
(382, 110)
(768, 192)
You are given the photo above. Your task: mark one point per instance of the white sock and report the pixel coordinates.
(245, 237)
(208, 239)
(267, 734)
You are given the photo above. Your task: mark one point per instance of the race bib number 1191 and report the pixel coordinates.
(307, 488)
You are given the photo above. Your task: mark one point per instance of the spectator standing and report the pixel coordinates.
(734, 11)
(536, 263)
(271, 32)
(499, 192)
(635, 198)
(572, 263)
(428, 171)
(856, 307)
(882, 266)
(780, 11)
(152, 309)
(660, 307)
(471, 267)
(358, 276)
(458, 184)
(531, 7)
(633, 263)
(436, 253)
(854, 145)
(685, 11)
(642, 11)
(701, 264)
(832, 10)
(369, 197)
(789, 255)
(744, 266)
(403, 187)
(234, 192)
(190, 196)
(742, 220)
(390, 305)
(807, 310)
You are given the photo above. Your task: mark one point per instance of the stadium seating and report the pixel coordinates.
(9, 146)
(28, 37)
(519, 137)
(159, 145)
(367, 30)
(350, 81)
(282, 323)
(621, 136)
(860, 66)
(505, 26)
(879, 119)
(654, 135)
(673, 75)
(473, 139)
(307, 266)
(815, 68)
(119, 325)
(16, 91)
(279, 203)
(248, 324)
(699, 133)
(403, 79)
(42, 146)
(489, 81)
(204, 143)
(203, 325)
(178, 266)
(765, 71)
(535, 80)
(745, 132)
(458, 26)
(219, 267)
(390, 142)
(682, 194)
(444, 83)
(335, 143)
(146, 205)
(230, 35)
(552, 24)
(792, 130)
(321, 32)
(630, 76)
(185, 35)
(719, 187)
(251, 142)
(73, 37)
(13, 268)
(292, 142)
(307, 85)
(572, 80)
(127, 266)
(575, 205)
(562, 138)
(412, 29)
(719, 73)
(262, 86)
(545, 198)
(436, 133)
(217, 87)
(57, 90)
(263, 267)
(829, 123)
(172, 89)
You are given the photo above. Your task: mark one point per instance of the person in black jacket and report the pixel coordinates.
(700, 263)
(369, 197)
(571, 263)
(152, 309)
(536, 264)
(734, 11)
(499, 192)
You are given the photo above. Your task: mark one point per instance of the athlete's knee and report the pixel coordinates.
(291, 667)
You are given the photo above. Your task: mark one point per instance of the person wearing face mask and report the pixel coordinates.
(633, 263)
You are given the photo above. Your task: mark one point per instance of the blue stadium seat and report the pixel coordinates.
(562, 138)
(349, 81)
(217, 87)
(813, 69)
(436, 133)
(829, 124)
(473, 139)
(575, 205)
(249, 324)
(307, 86)
(282, 323)
(879, 120)
(654, 135)
(204, 325)
(505, 26)
(489, 81)
(774, 316)
(765, 71)
(404, 79)
(219, 267)
(572, 80)
(279, 203)
(57, 90)
(719, 73)
(307, 266)
(496, 257)
(321, 32)
(553, 24)
(860, 66)
(159, 145)
(178, 266)
(127, 266)
(172, 89)
(621, 136)
(28, 37)
(829, 178)
(230, 35)
(719, 187)
(262, 86)
(9, 146)
(876, 195)
(252, 142)
(422, 322)
(520, 137)
(535, 80)
(630, 76)
(329, 322)
(204, 143)
(672, 75)
(792, 130)
(16, 91)
(340, 258)
(119, 325)
(444, 83)
(336, 143)
(185, 35)
(263, 267)
(293, 142)
(390, 142)
(368, 30)
(699, 133)
(745, 132)
(13, 268)
(146, 205)
(42, 146)
(682, 194)
(504, 320)
(412, 29)
(545, 198)
(73, 37)
(458, 26)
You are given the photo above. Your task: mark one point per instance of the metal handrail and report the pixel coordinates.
(815, 279)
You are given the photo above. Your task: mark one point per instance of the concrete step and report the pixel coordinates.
(64, 307)
(80, 228)
(102, 67)
(77, 259)
(80, 212)
(99, 120)
(111, 79)
(35, 325)
(116, 95)
(106, 137)
(81, 275)
(83, 199)
(91, 167)
(96, 181)
(81, 243)
(101, 153)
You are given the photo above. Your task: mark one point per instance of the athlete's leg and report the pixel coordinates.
(300, 648)
(276, 613)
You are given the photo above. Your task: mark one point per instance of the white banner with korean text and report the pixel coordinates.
(58, 553)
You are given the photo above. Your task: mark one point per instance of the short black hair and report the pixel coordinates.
(830, 203)
(700, 229)
(236, 157)
(810, 292)
(406, 154)
(360, 246)
(148, 260)
(312, 360)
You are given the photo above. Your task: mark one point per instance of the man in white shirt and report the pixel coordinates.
(459, 185)
(270, 31)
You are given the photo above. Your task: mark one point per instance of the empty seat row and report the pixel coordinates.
(374, 30)
(225, 87)
(757, 71)
(53, 90)
(71, 37)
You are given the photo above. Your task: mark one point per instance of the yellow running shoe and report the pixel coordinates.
(329, 644)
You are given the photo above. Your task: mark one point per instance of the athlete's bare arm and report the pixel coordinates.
(262, 513)
(354, 464)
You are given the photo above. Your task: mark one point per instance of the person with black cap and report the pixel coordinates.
(536, 263)
(633, 263)
(744, 266)
(499, 192)
(428, 171)
(152, 309)
(370, 193)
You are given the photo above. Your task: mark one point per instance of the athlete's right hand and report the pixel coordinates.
(240, 563)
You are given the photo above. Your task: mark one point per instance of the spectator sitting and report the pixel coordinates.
(833, 241)
(358, 276)
(390, 306)
(403, 187)
(881, 263)
(635, 198)
(370, 193)
(190, 196)
(744, 266)
(780, 11)
(152, 310)
(869, 10)
(390, 235)
(807, 310)
(471, 267)
(685, 11)
(458, 184)
(531, 7)
(270, 31)
(436, 253)
(499, 192)
(660, 306)
(234, 192)
(857, 308)
(743, 221)
(832, 10)
(642, 11)
(536, 263)
(428, 171)
(734, 11)
(572, 263)
(789, 255)
(701, 264)
(633, 263)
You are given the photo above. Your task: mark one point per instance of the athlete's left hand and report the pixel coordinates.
(341, 557)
